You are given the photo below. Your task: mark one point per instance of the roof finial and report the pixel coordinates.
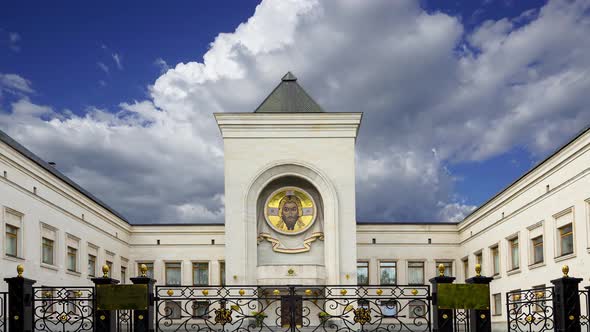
(289, 77)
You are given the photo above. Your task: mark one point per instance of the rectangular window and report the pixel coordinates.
(72, 259)
(47, 251)
(514, 254)
(566, 239)
(150, 269)
(479, 259)
(172, 273)
(495, 260)
(362, 273)
(465, 268)
(11, 240)
(200, 274)
(537, 249)
(110, 265)
(448, 268)
(91, 266)
(497, 298)
(222, 273)
(415, 273)
(388, 273)
(123, 274)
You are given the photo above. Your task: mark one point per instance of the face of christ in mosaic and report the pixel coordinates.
(290, 211)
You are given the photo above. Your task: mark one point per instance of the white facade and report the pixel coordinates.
(40, 208)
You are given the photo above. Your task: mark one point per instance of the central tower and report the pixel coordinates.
(290, 191)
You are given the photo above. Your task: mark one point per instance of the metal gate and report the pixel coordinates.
(293, 308)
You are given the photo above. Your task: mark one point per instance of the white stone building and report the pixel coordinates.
(304, 162)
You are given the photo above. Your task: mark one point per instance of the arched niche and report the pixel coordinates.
(325, 189)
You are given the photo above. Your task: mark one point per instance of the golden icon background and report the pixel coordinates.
(275, 215)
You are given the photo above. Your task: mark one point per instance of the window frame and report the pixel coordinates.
(93, 265)
(423, 266)
(68, 255)
(495, 254)
(534, 252)
(512, 242)
(497, 308)
(20, 227)
(194, 264)
(167, 266)
(395, 272)
(561, 236)
(43, 246)
(13, 235)
(363, 261)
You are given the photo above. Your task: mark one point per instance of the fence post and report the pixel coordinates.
(566, 303)
(105, 320)
(442, 319)
(143, 320)
(480, 319)
(20, 302)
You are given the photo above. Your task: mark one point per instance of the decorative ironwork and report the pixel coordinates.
(530, 309)
(63, 309)
(293, 308)
(125, 320)
(461, 320)
(3, 311)
(585, 314)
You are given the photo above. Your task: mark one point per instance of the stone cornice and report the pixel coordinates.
(288, 125)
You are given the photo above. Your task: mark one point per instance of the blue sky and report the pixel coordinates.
(460, 98)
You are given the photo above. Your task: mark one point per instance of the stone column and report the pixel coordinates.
(566, 303)
(105, 320)
(480, 319)
(144, 319)
(20, 302)
(442, 319)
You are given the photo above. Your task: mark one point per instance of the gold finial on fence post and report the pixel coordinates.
(478, 270)
(105, 271)
(20, 269)
(143, 268)
(565, 269)
(441, 270)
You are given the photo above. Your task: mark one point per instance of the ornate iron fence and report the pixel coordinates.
(3, 311)
(585, 312)
(124, 320)
(63, 309)
(461, 320)
(530, 309)
(293, 308)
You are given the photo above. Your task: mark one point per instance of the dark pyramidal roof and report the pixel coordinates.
(288, 97)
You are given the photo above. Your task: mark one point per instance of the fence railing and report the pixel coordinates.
(530, 309)
(561, 307)
(271, 308)
(3, 311)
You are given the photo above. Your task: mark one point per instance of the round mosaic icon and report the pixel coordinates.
(290, 210)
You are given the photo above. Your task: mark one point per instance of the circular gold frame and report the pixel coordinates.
(273, 202)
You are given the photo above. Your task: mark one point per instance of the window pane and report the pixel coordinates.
(222, 273)
(496, 259)
(200, 274)
(497, 304)
(415, 273)
(538, 249)
(387, 273)
(362, 273)
(91, 265)
(172, 273)
(11, 240)
(47, 251)
(123, 274)
(150, 269)
(110, 265)
(448, 268)
(72, 258)
(514, 253)
(567, 239)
